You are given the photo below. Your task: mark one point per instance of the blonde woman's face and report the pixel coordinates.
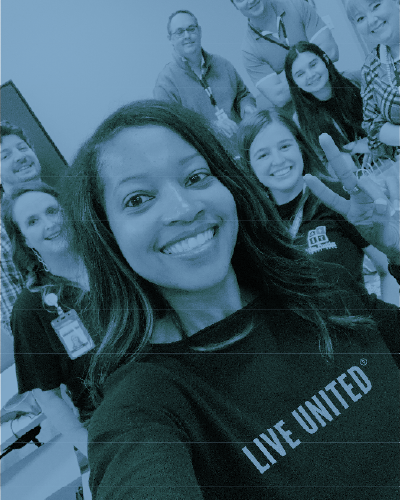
(377, 21)
(39, 218)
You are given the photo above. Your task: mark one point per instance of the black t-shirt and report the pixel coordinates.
(40, 358)
(267, 417)
(328, 237)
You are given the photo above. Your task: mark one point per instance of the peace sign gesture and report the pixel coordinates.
(374, 200)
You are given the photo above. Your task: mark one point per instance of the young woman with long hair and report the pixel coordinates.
(223, 354)
(55, 278)
(325, 100)
(275, 151)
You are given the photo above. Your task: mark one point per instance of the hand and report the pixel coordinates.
(227, 127)
(374, 209)
(358, 147)
(248, 111)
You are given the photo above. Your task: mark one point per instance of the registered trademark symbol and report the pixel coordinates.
(363, 361)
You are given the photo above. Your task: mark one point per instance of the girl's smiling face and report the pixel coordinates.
(277, 161)
(175, 223)
(310, 73)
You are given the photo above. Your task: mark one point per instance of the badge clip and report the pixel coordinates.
(70, 329)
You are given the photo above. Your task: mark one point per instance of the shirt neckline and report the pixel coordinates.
(198, 338)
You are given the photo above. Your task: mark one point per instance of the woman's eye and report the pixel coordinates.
(198, 177)
(137, 200)
(376, 6)
(32, 222)
(313, 64)
(299, 75)
(285, 146)
(359, 19)
(261, 156)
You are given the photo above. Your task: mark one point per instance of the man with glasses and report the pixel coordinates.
(273, 27)
(203, 82)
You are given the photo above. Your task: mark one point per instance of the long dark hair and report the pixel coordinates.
(125, 305)
(315, 118)
(252, 126)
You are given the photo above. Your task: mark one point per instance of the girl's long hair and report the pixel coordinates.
(124, 305)
(314, 118)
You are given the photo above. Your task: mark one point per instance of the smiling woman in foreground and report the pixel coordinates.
(227, 369)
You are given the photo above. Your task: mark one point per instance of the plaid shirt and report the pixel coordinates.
(381, 101)
(11, 282)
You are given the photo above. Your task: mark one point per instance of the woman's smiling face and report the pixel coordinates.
(277, 161)
(38, 217)
(310, 73)
(175, 223)
(377, 21)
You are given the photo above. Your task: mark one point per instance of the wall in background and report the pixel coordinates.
(75, 62)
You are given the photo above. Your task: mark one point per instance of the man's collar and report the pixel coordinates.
(183, 61)
(279, 14)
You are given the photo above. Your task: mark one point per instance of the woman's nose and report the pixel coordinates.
(49, 222)
(309, 73)
(180, 205)
(371, 19)
(277, 157)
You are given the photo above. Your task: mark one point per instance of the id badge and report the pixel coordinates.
(221, 115)
(72, 333)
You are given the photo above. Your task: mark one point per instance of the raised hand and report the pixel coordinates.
(374, 200)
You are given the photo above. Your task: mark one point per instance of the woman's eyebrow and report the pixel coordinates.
(261, 149)
(187, 159)
(129, 178)
(146, 175)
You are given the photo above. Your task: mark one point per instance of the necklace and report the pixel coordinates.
(386, 61)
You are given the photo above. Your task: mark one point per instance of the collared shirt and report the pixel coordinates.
(11, 282)
(177, 82)
(381, 101)
(263, 58)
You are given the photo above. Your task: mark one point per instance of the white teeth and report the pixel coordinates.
(189, 243)
(282, 172)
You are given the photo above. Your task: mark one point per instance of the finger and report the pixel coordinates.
(349, 146)
(376, 193)
(327, 196)
(343, 166)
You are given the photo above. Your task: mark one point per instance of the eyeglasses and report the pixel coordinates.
(181, 32)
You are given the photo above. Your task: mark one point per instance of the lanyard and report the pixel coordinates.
(270, 38)
(206, 87)
(294, 229)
